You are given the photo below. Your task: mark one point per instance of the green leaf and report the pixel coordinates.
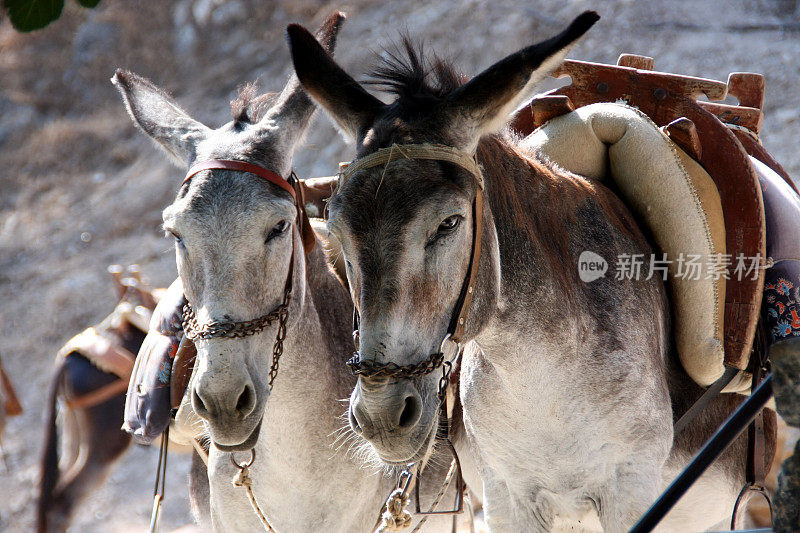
(30, 15)
(88, 3)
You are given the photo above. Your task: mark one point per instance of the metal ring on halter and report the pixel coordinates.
(447, 338)
(245, 465)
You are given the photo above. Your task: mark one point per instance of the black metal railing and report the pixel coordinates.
(713, 448)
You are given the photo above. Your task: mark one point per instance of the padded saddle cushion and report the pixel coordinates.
(677, 200)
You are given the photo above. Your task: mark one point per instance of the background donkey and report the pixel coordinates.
(237, 239)
(91, 413)
(566, 393)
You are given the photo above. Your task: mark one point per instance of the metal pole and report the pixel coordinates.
(713, 448)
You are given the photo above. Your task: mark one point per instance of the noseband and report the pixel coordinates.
(455, 331)
(230, 329)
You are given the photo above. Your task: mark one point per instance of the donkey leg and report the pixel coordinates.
(498, 507)
(628, 495)
(200, 492)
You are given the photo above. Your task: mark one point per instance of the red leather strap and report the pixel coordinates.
(227, 164)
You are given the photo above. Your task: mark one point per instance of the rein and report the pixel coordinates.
(396, 516)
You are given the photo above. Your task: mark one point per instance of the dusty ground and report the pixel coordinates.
(71, 163)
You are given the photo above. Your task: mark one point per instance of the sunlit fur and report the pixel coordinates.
(231, 271)
(567, 387)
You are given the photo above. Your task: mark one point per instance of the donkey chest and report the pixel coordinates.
(545, 435)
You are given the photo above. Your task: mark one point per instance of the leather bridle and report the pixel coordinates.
(448, 385)
(195, 331)
(455, 330)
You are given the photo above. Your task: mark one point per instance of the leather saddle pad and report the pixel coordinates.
(100, 345)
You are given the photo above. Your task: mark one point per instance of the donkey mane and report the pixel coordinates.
(249, 107)
(416, 79)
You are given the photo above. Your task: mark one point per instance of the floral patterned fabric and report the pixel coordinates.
(781, 304)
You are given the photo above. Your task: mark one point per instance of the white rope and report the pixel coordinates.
(243, 479)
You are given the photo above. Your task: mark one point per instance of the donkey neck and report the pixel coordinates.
(313, 377)
(533, 214)
(303, 481)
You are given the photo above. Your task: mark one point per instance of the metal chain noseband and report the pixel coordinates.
(227, 329)
(374, 369)
(234, 330)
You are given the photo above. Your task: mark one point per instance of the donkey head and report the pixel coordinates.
(406, 226)
(237, 238)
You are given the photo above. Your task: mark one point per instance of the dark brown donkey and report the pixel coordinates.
(90, 381)
(568, 388)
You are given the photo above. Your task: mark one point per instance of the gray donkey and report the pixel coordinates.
(239, 243)
(565, 386)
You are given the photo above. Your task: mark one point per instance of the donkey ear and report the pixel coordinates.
(485, 103)
(293, 107)
(348, 103)
(159, 116)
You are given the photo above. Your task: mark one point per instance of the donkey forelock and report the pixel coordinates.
(249, 107)
(412, 76)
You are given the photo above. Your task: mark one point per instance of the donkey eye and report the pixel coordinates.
(449, 224)
(178, 239)
(446, 227)
(277, 230)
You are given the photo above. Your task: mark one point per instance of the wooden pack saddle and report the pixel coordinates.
(101, 345)
(721, 138)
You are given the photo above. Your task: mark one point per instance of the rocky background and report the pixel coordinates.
(80, 188)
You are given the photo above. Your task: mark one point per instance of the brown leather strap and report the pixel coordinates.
(306, 231)
(98, 396)
(181, 373)
(459, 321)
(227, 164)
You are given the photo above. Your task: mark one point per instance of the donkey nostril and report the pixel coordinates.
(246, 402)
(354, 425)
(410, 413)
(199, 405)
